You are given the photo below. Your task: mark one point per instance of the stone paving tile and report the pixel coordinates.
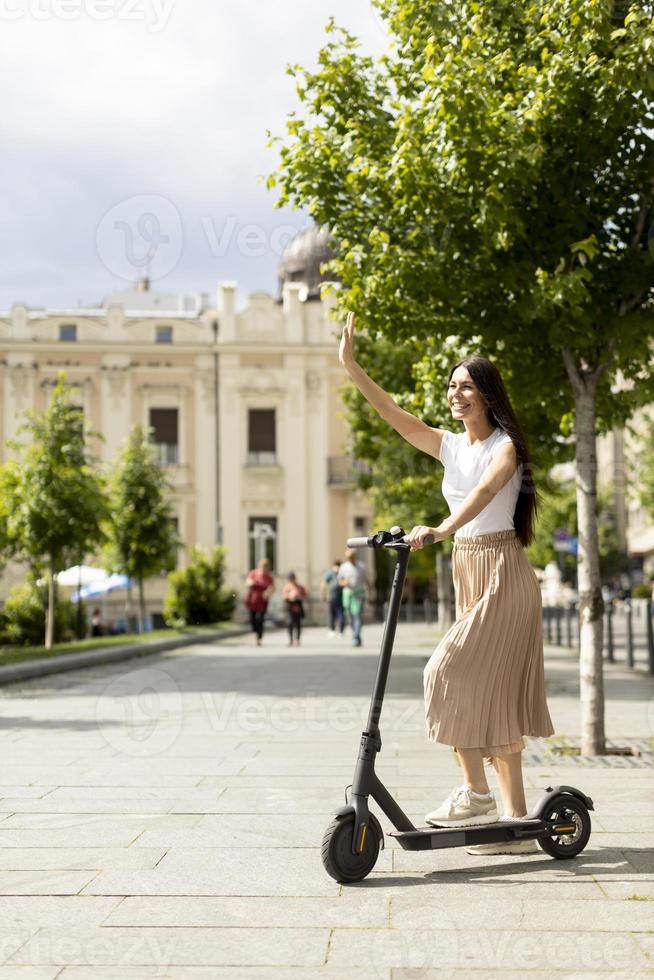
(82, 805)
(99, 777)
(125, 822)
(232, 830)
(351, 909)
(38, 911)
(25, 792)
(278, 800)
(235, 871)
(41, 882)
(13, 936)
(79, 858)
(430, 949)
(166, 793)
(426, 912)
(29, 972)
(399, 973)
(175, 947)
(217, 973)
(626, 890)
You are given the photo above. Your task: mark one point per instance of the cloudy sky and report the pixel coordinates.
(133, 132)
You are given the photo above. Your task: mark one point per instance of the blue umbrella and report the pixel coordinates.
(99, 588)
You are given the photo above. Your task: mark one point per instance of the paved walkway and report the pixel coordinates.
(164, 818)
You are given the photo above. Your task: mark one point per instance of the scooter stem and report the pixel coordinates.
(387, 639)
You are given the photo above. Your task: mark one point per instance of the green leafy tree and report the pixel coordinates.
(141, 531)
(196, 594)
(52, 496)
(489, 181)
(23, 616)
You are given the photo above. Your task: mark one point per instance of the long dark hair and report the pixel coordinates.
(489, 381)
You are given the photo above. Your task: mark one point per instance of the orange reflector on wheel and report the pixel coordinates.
(363, 836)
(561, 828)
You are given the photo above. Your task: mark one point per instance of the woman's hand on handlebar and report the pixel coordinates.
(346, 348)
(416, 536)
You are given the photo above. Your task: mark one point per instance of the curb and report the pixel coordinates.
(106, 655)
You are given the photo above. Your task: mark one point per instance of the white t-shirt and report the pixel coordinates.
(464, 467)
(355, 574)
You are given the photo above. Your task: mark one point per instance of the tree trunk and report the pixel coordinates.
(141, 606)
(49, 616)
(591, 605)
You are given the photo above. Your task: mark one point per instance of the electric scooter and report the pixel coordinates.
(560, 820)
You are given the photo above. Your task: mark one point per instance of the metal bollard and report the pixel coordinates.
(630, 636)
(568, 624)
(650, 636)
(548, 623)
(558, 625)
(609, 634)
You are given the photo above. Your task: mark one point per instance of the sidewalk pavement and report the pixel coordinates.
(164, 819)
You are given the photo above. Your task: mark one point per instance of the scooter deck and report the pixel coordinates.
(430, 838)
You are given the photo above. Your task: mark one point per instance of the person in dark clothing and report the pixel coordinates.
(331, 590)
(293, 593)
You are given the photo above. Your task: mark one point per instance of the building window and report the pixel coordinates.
(262, 541)
(165, 423)
(262, 449)
(164, 335)
(67, 331)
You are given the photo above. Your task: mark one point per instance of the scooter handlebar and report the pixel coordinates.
(377, 541)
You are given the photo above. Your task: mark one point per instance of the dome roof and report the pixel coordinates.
(303, 257)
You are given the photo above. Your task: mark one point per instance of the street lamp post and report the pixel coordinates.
(216, 416)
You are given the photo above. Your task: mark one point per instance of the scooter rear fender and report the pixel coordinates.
(551, 792)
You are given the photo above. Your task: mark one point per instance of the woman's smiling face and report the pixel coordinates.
(464, 397)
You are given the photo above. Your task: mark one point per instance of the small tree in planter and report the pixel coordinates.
(195, 594)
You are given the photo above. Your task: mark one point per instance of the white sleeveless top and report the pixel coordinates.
(464, 467)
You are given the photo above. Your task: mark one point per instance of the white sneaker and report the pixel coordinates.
(525, 846)
(463, 808)
(331, 634)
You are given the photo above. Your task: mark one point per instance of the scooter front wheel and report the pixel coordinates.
(567, 809)
(337, 857)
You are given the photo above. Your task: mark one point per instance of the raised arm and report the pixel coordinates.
(414, 430)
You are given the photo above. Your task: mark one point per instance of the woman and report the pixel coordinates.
(260, 585)
(293, 593)
(484, 684)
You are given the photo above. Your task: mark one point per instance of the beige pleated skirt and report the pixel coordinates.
(485, 682)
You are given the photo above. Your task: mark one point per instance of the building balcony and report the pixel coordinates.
(342, 471)
(262, 458)
(167, 453)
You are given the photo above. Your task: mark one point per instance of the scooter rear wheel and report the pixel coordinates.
(337, 857)
(567, 808)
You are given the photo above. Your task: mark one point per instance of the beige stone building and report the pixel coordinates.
(244, 407)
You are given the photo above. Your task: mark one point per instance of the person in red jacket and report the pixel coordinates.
(260, 586)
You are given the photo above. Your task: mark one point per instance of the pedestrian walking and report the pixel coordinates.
(353, 578)
(484, 684)
(97, 628)
(260, 586)
(293, 595)
(331, 591)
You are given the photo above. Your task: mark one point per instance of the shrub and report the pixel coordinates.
(195, 594)
(22, 620)
(641, 592)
